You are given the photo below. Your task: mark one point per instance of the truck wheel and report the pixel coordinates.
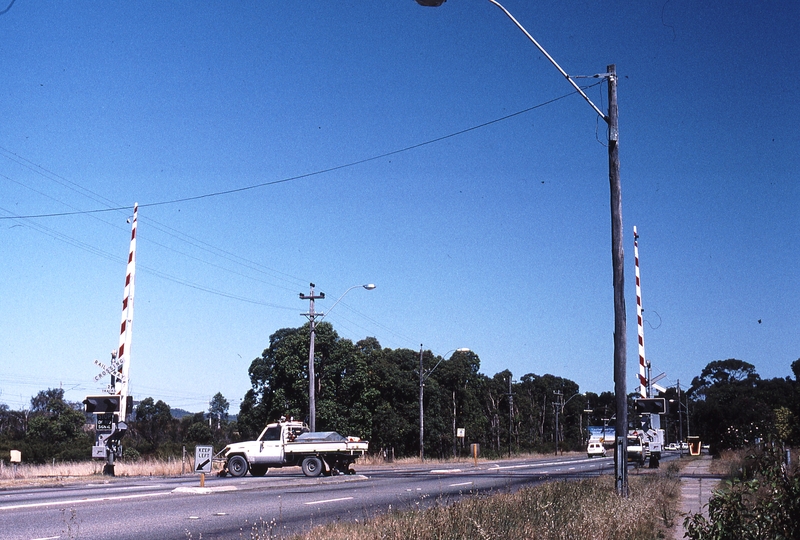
(258, 470)
(237, 466)
(312, 466)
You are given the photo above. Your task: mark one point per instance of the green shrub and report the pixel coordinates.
(131, 454)
(764, 504)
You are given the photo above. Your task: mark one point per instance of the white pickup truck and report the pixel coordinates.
(291, 444)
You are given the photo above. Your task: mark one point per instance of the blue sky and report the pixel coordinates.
(497, 239)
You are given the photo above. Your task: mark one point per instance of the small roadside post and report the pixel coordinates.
(202, 461)
(16, 459)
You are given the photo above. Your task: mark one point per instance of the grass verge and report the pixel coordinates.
(586, 509)
(60, 472)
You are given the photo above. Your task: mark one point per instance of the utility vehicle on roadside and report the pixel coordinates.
(291, 444)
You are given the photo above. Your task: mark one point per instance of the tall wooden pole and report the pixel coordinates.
(618, 263)
(312, 398)
(421, 409)
(621, 426)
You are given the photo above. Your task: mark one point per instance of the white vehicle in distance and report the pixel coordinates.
(596, 448)
(672, 446)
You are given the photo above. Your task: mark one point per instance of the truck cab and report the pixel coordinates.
(272, 440)
(268, 450)
(636, 449)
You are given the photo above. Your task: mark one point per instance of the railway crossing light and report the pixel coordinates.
(101, 404)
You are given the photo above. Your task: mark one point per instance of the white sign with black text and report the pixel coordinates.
(202, 458)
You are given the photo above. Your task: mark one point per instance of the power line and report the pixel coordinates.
(169, 231)
(310, 174)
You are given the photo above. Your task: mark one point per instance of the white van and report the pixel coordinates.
(596, 448)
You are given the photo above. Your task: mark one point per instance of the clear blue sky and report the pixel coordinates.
(497, 239)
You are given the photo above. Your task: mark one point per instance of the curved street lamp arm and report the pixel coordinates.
(552, 61)
(572, 396)
(463, 349)
(368, 286)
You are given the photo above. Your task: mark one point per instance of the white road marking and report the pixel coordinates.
(47, 538)
(461, 484)
(534, 464)
(329, 500)
(80, 501)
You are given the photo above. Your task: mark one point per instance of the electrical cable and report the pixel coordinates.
(313, 173)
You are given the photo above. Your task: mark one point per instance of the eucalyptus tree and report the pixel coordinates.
(725, 407)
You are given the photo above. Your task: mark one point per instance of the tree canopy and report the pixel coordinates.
(372, 392)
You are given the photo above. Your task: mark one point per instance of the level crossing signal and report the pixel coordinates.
(101, 404)
(651, 405)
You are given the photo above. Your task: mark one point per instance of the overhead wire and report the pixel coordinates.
(169, 231)
(317, 172)
(113, 207)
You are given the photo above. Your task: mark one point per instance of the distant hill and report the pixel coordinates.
(180, 413)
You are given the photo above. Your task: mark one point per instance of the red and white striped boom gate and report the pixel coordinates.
(124, 349)
(643, 379)
(112, 409)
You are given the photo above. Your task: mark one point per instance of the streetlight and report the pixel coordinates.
(561, 407)
(588, 419)
(422, 378)
(680, 419)
(312, 316)
(617, 257)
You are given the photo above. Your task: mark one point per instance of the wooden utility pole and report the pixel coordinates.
(510, 414)
(620, 359)
(618, 263)
(312, 398)
(421, 408)
(557, 409)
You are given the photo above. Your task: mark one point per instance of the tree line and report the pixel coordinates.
(372, 392)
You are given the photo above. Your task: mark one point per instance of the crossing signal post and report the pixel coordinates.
(109, 427)
(112, 409)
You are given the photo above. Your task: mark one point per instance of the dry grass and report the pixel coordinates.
(730, 463)
(586, 509)
(25, 474)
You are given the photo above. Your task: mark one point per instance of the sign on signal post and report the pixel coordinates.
(104, 422)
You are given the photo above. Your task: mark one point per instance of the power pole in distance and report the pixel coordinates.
(557, 406)
(312, 405)
(421, 409)
(510, 414)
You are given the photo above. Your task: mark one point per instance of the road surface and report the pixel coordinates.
(282, 502)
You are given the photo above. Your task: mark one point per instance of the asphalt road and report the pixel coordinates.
(282, 502)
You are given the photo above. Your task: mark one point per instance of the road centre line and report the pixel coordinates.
(329, 500)
(81, 501)
(540, 464)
